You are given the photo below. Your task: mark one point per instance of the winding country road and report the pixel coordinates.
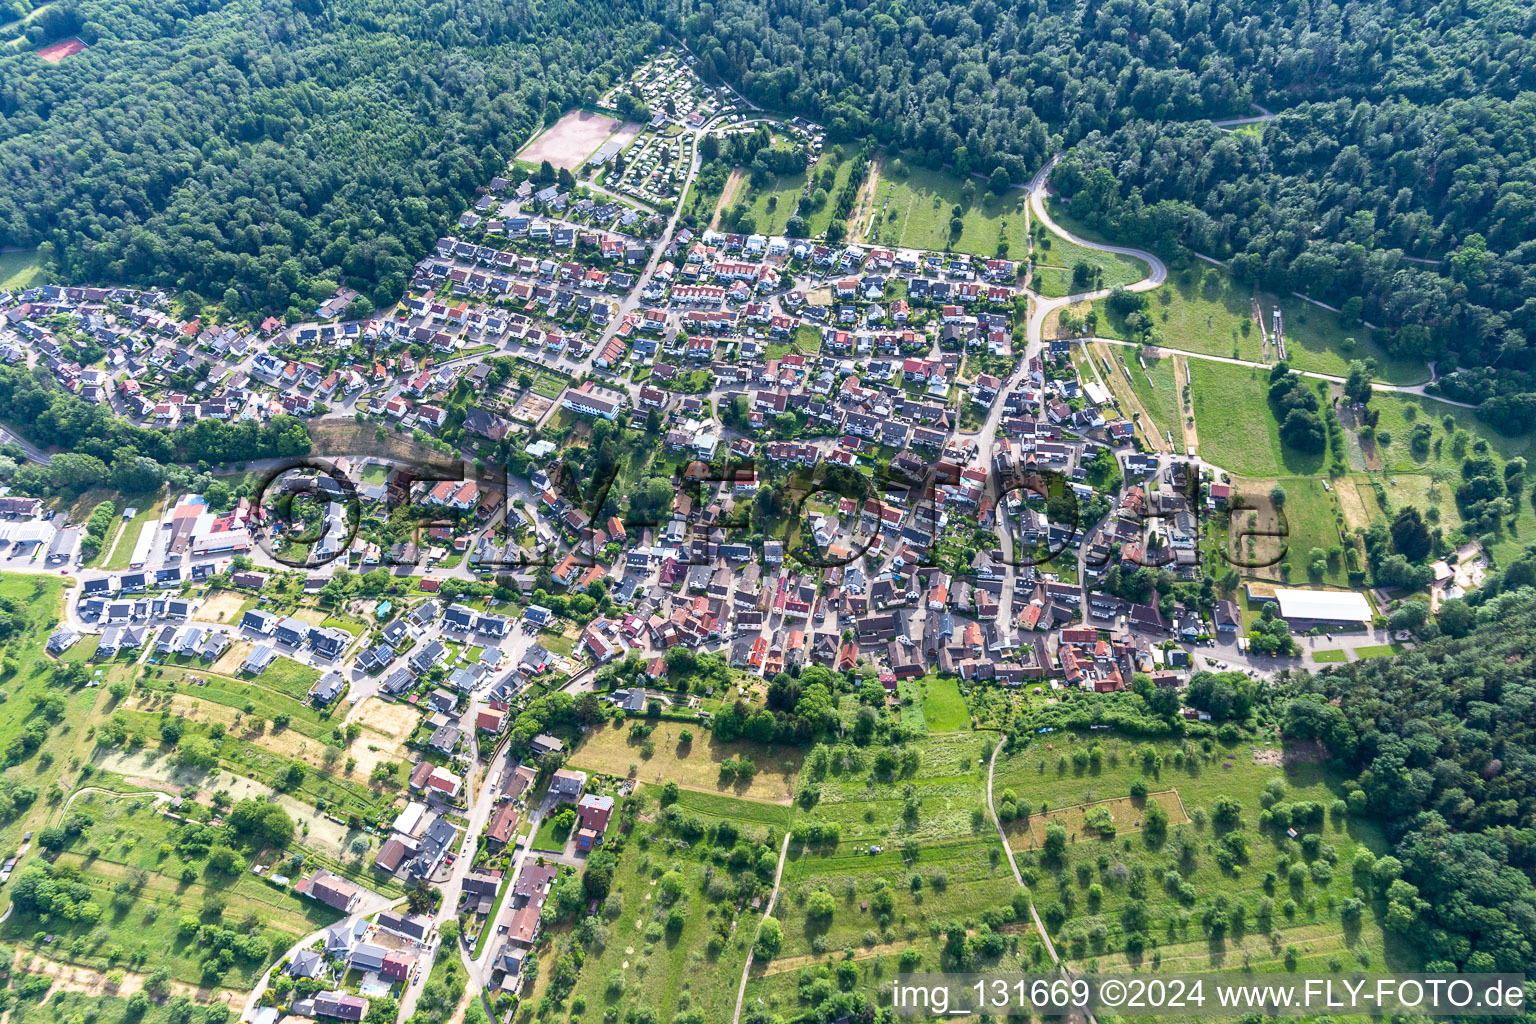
(1041, 307)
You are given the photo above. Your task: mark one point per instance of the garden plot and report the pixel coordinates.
(694, 765)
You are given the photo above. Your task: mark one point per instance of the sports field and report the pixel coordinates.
(572, 139)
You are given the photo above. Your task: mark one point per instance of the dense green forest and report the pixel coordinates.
(1441, 740)
(985, 85)
(259, 152)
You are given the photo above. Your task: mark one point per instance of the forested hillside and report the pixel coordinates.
(258, 151)
(985, 84)
(1339, 201)
(1441, 739)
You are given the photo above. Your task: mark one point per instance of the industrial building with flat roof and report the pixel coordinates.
(1323, 606)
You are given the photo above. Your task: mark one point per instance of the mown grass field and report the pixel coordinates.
(19, 270)
(1157, 391)
(1104, 889)
(1443, 452)
(1200, 308)
(914, 206)
(943, 707)
(1237, 429)
(1428, 477)
(148, 513)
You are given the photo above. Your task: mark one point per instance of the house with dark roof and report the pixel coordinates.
(341, 1005)
(292, 631)
(327, 688)
(410, 926)
(307, 963)
(332, 890)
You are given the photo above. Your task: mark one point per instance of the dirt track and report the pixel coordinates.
(1186, 413)
(728, 195)
(865, 201)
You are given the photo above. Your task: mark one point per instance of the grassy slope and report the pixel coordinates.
(20, 270)
(1315, 340)
(1237, 430)
(917, 207)
(943, 707)
(1199, 309)
(787, 189)
(1431, 479)
(817, 221)
(642, 964)
(1054, 251)
(1045, 775)
(129, 836)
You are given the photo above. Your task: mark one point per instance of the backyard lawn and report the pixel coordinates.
(550, 837)
(149, 512)
(943, 706)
